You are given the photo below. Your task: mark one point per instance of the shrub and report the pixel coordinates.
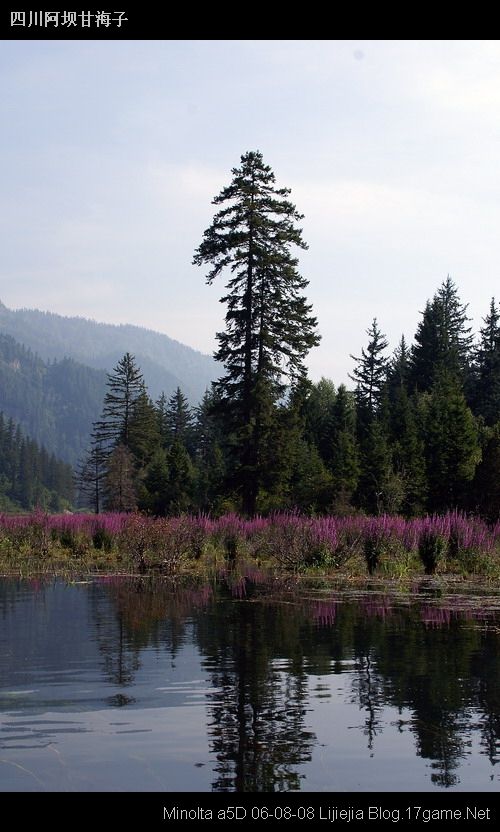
(101, 539)
(431, 549)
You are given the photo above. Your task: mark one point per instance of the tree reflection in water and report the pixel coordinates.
(257, 710)
(261, 649)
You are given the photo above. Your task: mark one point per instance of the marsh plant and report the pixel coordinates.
(289, 542)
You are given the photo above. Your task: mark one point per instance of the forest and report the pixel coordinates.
(418, 434)
(29, 475)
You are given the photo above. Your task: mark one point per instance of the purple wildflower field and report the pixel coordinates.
(290, 540)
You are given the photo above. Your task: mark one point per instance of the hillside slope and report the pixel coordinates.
(54, 403)
(165, 363)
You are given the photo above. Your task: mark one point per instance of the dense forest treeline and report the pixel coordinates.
(30, 477)
(420, 433)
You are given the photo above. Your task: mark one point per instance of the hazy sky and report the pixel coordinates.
(110, 154)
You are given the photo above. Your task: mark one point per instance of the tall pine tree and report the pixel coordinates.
(269, 326)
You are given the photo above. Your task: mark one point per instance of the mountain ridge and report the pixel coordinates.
(165, 362)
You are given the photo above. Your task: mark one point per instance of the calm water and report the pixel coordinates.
(125, 684)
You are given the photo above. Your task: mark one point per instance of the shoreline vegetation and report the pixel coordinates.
(355, 547)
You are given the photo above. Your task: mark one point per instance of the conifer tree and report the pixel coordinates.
(117, 427)
(125, 386)
(179, 496)
(120, 493)
(210, 456)
(319, 403)
(344, 454)
(370, 372)
(156, 484)
(143, 430)
(443, 340)
(486, 396)
(269, 326)
(179, 420)
(379, 489)
(161, 417)
(91, 473)
(451, 444)
(485, 491)
(407, 449)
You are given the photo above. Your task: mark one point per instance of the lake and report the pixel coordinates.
(133, 684)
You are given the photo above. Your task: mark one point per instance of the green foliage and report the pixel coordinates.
(379, 489)
(407, 446)
(143, 433)
(102, 539)
(155, 484)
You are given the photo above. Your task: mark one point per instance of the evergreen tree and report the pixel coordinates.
(161, 417)
(29, 476)
(210, 456)
(318, 409)
(179, 420)
(451, 444)
(399, 367)
(487, 368)
(120, 491)
(91, 473)
(143, 432)
(485, 497)
(443, 341)
(269, 326)
(344, 454)
(179, 496)
(125, 386)
(310, 483)
(407, 449)
(156, 484)
(370, 373)
(379, 489)
(128, 419)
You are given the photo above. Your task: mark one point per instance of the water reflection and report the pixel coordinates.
(292, 684)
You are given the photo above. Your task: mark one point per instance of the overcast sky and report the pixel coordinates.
(111, 152)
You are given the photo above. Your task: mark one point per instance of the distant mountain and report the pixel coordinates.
(54, 403)
(165, 363)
